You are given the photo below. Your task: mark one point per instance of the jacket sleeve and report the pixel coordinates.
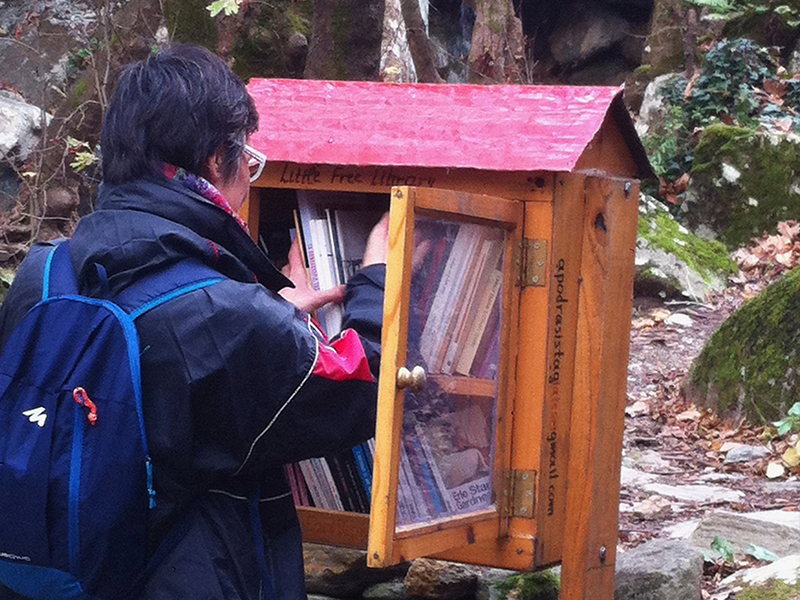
(265, 388)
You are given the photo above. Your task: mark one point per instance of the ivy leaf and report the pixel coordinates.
(761, 554)
(231, 7)
(795, 410)
(723, 547)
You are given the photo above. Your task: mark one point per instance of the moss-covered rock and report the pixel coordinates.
(751, 365)
(743, 182)
(774, 590)
(543, 585)
(672, 260)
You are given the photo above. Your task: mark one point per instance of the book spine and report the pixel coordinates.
(329, 485)
(302, 487)
(293, 485)
(310, 476)
(479, 321)
(365, 473)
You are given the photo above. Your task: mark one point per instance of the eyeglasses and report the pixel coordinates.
(255, 162)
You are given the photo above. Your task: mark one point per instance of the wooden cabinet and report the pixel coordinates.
(505, 334)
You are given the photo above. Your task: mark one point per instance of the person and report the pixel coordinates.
(237, 381)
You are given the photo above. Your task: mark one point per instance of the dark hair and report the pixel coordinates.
(179, 107)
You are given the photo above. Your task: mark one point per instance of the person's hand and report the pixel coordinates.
(303, 296)
(377, 243)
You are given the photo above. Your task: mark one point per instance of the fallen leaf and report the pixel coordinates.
(689, 415)
(791, 457)
(775, 470)
(728, 446)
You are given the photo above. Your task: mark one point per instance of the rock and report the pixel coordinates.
(679, 320)
(778, 517)
(659, 570)
(634, 477)
(638, 408)
(342, 572)
(20, 126)
(787, 569)
(741, 530)
(744, 454)
(391, 590)
(647, 460)
(655, 106)
(743, 182)
(681, 531)
(672, 260)
(664, 50)
(590, 29)
(706, 494)
(749, 366)
(542, 585)
(652, 508)
(440, 580)
(719, 477)
(488, 581)
(61, 202)
(776, 487)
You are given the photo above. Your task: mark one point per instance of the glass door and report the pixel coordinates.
(449, 315)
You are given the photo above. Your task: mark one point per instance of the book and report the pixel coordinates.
(478, 319)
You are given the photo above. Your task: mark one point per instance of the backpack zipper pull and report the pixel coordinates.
(81, 397)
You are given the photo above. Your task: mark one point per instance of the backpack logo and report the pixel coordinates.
(36, 415)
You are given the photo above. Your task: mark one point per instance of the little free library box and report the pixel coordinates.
(506, 318)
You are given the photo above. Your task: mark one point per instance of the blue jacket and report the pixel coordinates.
(236, 383)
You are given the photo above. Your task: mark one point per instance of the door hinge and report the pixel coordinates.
(519, 494)
(531, 259)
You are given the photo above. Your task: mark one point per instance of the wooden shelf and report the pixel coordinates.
(335, 527)
(465, 386)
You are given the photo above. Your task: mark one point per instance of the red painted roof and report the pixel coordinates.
(500, 128)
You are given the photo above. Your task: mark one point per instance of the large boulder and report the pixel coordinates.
(659, 570)
(440, 580)
(777, 531)
(743, 182)
(750, 366)
(591, 30)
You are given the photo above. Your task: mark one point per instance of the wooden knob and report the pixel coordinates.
(415, 379)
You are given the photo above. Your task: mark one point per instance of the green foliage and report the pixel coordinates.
(530, 586)
(733, 71)
(791, 423)
(82, 154)
(760, 553)
(751, 363)
(720, 549)
(773, 590)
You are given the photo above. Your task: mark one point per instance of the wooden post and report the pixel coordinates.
(604, 313)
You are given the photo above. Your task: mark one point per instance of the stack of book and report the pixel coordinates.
(457, 298)
(334, 228)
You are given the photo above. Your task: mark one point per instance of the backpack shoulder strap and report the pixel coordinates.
(148, 293)
(59, 277)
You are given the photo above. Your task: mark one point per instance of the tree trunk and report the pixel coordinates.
(346, 40)
(498, 45)
(418, 43)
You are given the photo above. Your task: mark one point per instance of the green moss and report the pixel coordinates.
(764, 194)
(751, 362)
(530, 586)
(706, 257)
(190, 22)
(80, 92)
(774, 590)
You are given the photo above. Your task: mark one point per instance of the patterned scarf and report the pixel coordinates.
(204, 188)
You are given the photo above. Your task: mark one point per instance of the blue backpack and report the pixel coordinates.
(75, 475)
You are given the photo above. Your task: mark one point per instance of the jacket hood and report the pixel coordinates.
(146, 225)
